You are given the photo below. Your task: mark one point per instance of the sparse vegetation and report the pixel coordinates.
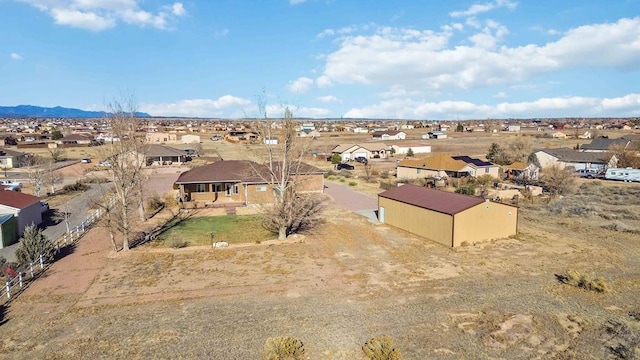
(381, 348)
(584, 281)
(283, 348)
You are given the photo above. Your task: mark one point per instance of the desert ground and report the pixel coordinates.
(347, 281)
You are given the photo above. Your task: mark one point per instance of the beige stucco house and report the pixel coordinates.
(447, 218)
(26, 208)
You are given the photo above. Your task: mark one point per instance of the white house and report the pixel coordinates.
(513, 127)
(365, 150)
(190, 139)
(389, 135)
(575, 159)
(270, 140)
(416, 148)
(360, 130)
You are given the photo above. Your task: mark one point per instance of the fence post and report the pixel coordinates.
(31, 269)
(8, 290)
(20, 278)
(57, 248)
(82, 226)
(41, 263)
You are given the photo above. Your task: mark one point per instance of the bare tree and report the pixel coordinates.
(126, 159)
(53, 178)
(292, 210)
(36, 172)
(57, 155)
(559, 181)
(627, 155)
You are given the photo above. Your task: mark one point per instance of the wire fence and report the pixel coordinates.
(18, 280)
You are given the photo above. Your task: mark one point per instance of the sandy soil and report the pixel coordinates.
(334, 289)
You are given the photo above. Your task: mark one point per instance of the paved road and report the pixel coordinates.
(53, 224)
(353, 200)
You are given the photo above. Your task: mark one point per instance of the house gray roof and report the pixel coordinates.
(575, 156)
(238, 171)
(437, 200)
(603, 144)
(10, 153)
(163, 150)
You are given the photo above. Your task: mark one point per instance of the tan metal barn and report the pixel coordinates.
(447, 218)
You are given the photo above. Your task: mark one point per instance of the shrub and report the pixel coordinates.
(33, 244)
(381, 348)
(342, 180)
(617, 226)
(352, 183)
(77, 186)
(177, 243)
(384, 174)
(583, 281)
(336, 159)
(283, 348)
(154, 203)
(468, 189)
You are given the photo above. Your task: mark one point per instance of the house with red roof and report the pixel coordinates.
(26, 208)
(447, 218)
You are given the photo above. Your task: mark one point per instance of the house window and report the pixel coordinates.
(419, 171)
(218, 187)
(201, 188)
(236, 189)
(486, 170)
(261, 188)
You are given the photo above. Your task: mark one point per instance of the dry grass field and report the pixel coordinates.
(348, 281)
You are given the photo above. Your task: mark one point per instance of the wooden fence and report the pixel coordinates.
(16, 283)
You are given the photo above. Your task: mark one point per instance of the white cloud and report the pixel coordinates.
(296, 2)
(328, 99)
(15, 56)
(221, 33)
(277, 111)
(482, 8)
(411, 60)
(300, 85)
(98, 15)
(404, 108)
(500, 95)
(196, 107)
(178, 9)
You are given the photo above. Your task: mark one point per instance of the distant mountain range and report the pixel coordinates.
(22, 111)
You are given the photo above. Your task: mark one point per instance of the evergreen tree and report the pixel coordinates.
(33, 243)
(410, 152)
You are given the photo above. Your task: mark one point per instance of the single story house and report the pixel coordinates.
(241, 181)
(389, 135)
(513, 127)
(565, 157)
(436, 135)
(366, 150)
(447, 218)
(161, 137)
(242, 136)
(416, 148)
(74, 140)
(190, 139)
(559, 135)
(604, 144)
(521, 171)
(8, 230)
(270, 140)
(444, 165)
(26, 208)
(164, 155)
(10, 159)
(309, 133)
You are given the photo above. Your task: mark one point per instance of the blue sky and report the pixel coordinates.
(326, 58)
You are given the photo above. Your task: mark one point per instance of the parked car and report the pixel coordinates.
(590, 173)
(105, 163)
(85, 160)
(343, 166)
(361, 159)
(11, 185)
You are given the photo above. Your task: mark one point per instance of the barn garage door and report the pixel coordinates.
(361, 154)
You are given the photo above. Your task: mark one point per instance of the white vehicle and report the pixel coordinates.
(623, 174)
(11, 185)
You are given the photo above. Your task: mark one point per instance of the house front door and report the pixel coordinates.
(227, 189)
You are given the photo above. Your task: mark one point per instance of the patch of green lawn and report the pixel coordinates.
(234, 229)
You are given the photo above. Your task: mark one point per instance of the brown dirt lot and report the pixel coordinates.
(337, 288)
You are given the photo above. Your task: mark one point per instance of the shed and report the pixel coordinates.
(8, 230)
(25, 207)
(447, 218)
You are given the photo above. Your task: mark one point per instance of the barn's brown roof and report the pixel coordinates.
(436, 200)
(17, 199)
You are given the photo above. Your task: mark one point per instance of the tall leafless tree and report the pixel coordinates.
(292, 210)
(126, 158)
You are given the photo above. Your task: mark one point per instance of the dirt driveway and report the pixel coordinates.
(350, 199)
